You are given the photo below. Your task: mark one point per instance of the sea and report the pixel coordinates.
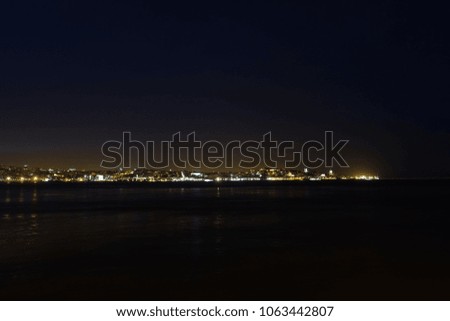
(328, 240)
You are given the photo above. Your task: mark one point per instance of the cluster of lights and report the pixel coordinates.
(363, 177)
(27, 175)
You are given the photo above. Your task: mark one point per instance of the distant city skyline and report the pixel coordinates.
(26, 174)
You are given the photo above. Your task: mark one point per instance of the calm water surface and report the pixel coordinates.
(368, 240)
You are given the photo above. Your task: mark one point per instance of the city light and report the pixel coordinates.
(72, 175)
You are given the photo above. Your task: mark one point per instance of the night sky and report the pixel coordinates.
(74, 74)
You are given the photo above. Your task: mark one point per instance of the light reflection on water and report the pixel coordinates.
(38, 223)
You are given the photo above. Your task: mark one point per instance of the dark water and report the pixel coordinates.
(325, 241)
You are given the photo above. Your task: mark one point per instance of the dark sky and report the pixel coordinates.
(74, 74)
